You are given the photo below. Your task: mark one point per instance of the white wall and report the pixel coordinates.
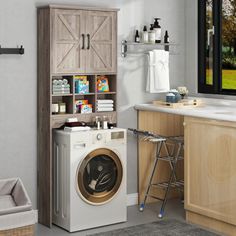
(132, 76)
(18, 111)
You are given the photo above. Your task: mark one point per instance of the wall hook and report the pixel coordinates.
(17, 50)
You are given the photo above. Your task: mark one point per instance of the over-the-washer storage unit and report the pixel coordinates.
(89, 178)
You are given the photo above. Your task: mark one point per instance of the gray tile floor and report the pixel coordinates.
(174, 210)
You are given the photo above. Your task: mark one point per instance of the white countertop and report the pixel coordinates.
(217, 109)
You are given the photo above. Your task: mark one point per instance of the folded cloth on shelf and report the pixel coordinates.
(77, 128)
(105, 101)
(158, 72)
(101, 105)
(105, 109)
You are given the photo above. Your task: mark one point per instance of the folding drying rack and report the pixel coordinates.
(169, 149)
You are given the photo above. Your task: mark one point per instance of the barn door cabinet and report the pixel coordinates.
(84, 41)
(72, 40)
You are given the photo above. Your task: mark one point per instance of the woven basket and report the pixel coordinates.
(23, 231)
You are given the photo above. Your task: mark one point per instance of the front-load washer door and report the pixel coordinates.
(99, 176)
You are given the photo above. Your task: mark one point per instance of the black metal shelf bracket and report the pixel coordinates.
(19, 51)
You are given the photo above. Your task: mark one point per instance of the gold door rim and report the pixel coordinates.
(100, 198)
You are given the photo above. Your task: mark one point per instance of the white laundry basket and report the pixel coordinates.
(17, 218)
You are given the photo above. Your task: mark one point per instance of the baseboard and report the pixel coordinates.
(132, 199)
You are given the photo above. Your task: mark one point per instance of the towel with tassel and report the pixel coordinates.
(158, 72)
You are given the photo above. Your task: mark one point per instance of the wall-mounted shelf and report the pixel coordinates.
(125, 44)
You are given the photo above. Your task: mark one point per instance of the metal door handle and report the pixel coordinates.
(83, 41)
(88, 35)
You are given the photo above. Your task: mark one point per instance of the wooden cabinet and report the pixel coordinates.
(210, 173)
(72, 40)
(162, 124)
(84, 41)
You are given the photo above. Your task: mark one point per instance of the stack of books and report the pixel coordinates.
(104, 105)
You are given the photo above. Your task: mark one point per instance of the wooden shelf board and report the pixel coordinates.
(62, 95)
(92, 74)
(84, 94)
(102, 93)
(77, 114)
(61, 115)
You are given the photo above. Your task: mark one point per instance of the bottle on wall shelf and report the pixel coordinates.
(151, 35)
(167, 40)
(145, 35)
(166, 37)
(157, 30)
(137, 38)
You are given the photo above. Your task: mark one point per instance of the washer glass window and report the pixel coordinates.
(100, 176)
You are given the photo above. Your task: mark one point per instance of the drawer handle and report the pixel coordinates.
(83, 41)
(88, 35)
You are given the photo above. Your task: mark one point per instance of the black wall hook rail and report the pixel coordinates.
(20, 50)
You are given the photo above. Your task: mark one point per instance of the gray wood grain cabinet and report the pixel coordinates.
(84, 41)
(72, 40)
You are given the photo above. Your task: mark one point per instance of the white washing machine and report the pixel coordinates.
(89, 178)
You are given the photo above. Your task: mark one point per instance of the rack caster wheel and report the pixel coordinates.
(160, 215)
(141, 208)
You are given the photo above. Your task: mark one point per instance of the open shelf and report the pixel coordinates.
(59, 120)
(68, 100)
(125, 44)
(92, 96)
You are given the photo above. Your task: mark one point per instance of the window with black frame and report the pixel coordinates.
(217, 47)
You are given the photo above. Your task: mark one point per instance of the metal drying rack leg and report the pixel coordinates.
(158, 150)
(172, 157)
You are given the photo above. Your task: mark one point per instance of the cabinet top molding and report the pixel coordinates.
(77, 7)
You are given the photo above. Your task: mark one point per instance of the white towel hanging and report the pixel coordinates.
(158, 72)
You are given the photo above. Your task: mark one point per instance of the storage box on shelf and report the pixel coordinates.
(101, 81)
(84, 84)
(84, 101)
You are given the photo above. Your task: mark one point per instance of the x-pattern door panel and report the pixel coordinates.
(101, 36)
(68, 27)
